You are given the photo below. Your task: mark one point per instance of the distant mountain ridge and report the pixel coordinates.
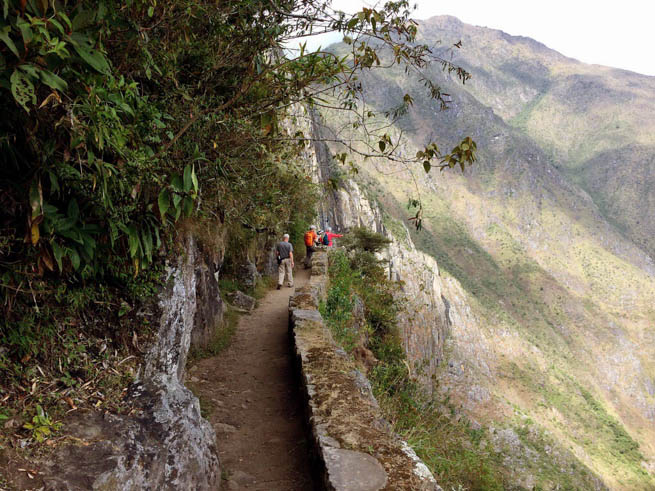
(550, 237)
(596, 122)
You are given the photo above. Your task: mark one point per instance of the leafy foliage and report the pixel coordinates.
(121, 120)
(107, 92)
(363, 240)
(42, 426)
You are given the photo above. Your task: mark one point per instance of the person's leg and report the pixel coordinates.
(280, 274)
(289, 271)
(308, 257)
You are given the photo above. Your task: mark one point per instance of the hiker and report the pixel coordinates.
(284, 251)
(328, 236)
(311, 239)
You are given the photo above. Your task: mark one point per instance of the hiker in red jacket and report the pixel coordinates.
(330, 236)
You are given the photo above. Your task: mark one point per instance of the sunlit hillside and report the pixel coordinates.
(595, 123)
(544, 249)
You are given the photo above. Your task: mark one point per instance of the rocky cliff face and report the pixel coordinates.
(425, 321)
(165, 443)
(436, 314)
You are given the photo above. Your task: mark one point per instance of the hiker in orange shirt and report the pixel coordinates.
(327, 238)
(311, 239)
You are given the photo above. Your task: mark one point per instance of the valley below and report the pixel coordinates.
(544, 248)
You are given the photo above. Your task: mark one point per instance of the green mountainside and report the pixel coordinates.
(594, 122)
(550, 238)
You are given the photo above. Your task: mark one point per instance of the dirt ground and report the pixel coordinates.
(252, 396)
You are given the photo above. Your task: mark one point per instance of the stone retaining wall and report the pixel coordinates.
(355, 448)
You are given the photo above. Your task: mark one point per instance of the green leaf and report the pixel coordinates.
(22, 89)
(151, 11)
(31, 70)
(58, 252)
(54, 182)
(124, 308)
(382, 145)
(5, 8)
(36, 199)
(84, 19)
(164, 202)
(53, 81)
(58, 25)
(94, 58)
(65, 18)
(133, 240)
(73, 211)
(194, 180)
(158, 243)
(427, 166)
(146, 240)
(187, 179)
(176, 204)
(176, 201)
(188, 206)
(89, 245)
(4, 36)
(75, 258)
(176, 182)
(25, 31)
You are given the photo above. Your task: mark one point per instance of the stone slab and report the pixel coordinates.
(354, 471)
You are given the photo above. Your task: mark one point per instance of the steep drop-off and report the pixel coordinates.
(549, 301)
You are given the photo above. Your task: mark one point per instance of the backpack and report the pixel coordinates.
(326, 239)
(309, 239)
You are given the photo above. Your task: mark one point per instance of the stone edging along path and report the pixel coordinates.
(355, 449)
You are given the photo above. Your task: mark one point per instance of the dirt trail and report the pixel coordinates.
(255, 403)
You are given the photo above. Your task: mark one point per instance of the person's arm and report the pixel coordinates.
(291, 257)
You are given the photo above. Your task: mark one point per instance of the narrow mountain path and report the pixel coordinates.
(255, 403)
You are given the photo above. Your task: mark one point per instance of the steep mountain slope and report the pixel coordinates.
(555, 338)
(582, 116)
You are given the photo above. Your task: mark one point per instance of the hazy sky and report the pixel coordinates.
(620, 34)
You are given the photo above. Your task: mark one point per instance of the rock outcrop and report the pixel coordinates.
(424, 322)
(241, 301)
(165, 443)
